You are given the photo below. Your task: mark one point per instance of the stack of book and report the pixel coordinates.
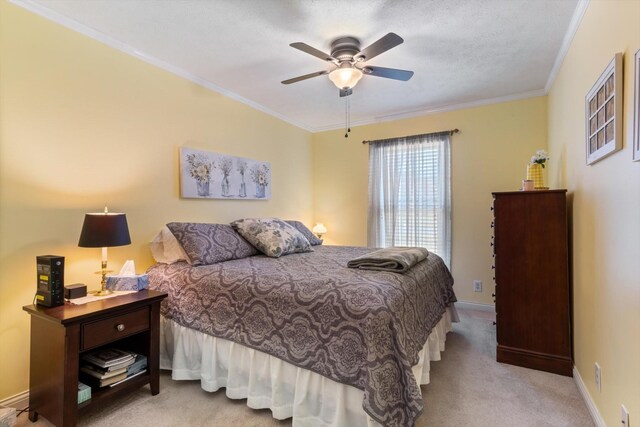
(111, 366)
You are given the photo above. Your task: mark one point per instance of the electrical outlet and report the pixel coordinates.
(624, 416)
(598, 377)
(477, 286)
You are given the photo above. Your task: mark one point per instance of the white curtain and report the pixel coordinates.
(410, 193)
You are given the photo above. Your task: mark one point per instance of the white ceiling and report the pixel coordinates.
(463, 52)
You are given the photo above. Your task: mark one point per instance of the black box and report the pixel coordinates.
(77, 290)
(50, 277)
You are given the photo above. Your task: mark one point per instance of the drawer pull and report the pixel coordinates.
(120, 327)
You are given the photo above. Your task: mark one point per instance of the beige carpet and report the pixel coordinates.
(468, 388)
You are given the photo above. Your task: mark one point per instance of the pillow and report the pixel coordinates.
(312, 238)
(207, 244)
(166, 249)
(273, 237)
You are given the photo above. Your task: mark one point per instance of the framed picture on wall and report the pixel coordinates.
(603, 113)
(636, 110)
(209, 175)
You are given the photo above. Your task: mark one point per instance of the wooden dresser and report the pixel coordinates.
(533, 297)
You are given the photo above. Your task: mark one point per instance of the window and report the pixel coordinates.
(409, 193)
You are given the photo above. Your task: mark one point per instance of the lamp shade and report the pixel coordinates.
(101, 230)
(345, 77)
(319, 229)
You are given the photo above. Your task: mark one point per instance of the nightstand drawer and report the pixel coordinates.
(95, 334)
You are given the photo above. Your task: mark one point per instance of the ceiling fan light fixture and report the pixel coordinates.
(345, 77)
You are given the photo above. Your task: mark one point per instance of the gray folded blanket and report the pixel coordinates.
(395, 259)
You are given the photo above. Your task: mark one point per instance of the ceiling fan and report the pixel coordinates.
(349, 62)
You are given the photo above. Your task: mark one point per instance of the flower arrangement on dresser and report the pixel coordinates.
(534, 169)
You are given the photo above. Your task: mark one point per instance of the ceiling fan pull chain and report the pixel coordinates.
(349, 115)
(346, 117)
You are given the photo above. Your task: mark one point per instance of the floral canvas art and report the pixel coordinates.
(208, 175)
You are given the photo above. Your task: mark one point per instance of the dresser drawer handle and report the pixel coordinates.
(120, 327)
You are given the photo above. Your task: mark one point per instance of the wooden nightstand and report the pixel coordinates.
(61, 335)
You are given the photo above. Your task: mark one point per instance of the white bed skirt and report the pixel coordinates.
(268, 382)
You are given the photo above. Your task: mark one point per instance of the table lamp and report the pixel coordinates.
(103, 230)
(319, 230)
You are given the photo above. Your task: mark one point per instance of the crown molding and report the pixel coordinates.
(434, 110)
(578, 14)
(123, 47)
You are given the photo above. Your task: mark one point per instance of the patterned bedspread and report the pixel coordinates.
(357, 327)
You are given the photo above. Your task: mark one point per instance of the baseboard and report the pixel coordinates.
(18, 401)
(582, 388)
(465, 305)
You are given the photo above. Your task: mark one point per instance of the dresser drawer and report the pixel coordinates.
(113, 328)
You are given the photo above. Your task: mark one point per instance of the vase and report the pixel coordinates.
(203, 188)
(243, 190)
(535, 173)
(260, 191)
(225, 186)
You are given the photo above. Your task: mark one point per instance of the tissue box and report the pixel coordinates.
(84, 392)
(128, 283)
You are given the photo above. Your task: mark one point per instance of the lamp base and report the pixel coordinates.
(102, 292)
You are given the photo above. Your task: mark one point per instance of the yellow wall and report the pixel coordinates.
(606, 211)
(83, 125)
(489, 154)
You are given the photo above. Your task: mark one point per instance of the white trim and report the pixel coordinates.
(18, 401)
(465, 305)
(593, 409)
(435, 110)
(123, 47)
(578, 13)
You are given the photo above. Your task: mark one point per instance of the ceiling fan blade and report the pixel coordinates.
(312, 51)
(305, 77)
(387, 42)
(389, 73)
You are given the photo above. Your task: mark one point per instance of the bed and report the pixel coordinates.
(306, 336)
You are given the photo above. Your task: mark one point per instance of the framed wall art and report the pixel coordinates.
(636, 111)
(603, 113)
(208, 175)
